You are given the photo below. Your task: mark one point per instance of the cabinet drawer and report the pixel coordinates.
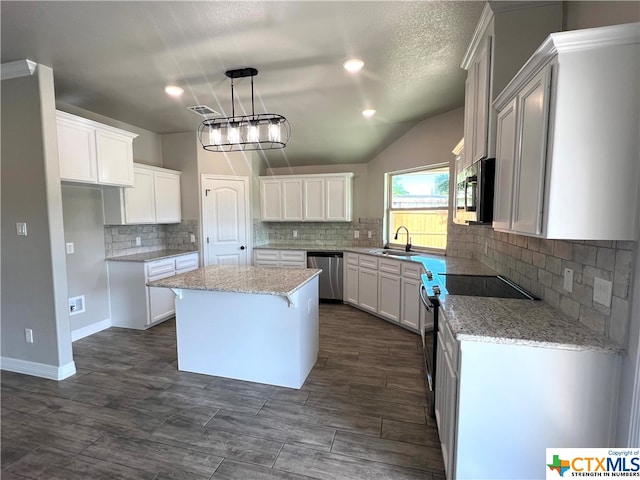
(267, 255)
(187, 262)
(160, 267)
(351, 258)
(292, 256)
(266, 263)
(292, 264)
(367, 261)
(411, 270)
(389, 266)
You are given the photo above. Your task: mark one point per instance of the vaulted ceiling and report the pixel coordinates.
(114, 59)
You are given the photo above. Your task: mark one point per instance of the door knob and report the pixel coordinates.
(242, 247)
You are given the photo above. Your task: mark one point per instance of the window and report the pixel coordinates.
(419, 201)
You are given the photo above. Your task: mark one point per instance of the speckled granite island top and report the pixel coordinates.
(150, 256)
(241, 279)
(523, 322)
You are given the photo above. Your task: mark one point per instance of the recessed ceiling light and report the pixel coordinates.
(174, 90)
(354, 65)
(368, 113)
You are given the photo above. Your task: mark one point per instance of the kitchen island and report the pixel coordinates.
(257, 324)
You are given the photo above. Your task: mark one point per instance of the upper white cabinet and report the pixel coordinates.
(306, 198)
(90, 152)
(476, 103)
(154, 198)
(567, 158)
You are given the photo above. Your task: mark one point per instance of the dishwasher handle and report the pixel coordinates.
(325, 254)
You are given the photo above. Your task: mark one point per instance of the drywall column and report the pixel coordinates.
(34, 272)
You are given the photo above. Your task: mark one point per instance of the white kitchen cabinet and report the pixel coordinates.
(389, 289)
(133, 303)
(263, 257)
(411, 306)
(492, 391)
(154, 198)
(477, 95)
(575, 170)
(90, 152)
(368, 283)
(350, 281)
(307, 198)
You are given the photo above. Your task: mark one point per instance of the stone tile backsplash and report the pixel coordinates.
(320, 233)
(121, 239)
(538, 266)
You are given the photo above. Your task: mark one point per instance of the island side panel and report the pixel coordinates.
(519, 400)
(258, 338)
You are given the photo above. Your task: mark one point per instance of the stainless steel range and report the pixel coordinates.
(432, 291)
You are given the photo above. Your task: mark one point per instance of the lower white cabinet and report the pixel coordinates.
(263, 257)
(385, 287)
(154, 198)
(133, 304)
(496, 397)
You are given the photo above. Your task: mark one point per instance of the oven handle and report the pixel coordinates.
(423, 290)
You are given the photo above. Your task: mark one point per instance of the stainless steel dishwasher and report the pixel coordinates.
(331, 277)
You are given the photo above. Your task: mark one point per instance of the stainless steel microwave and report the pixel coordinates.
(474, 193)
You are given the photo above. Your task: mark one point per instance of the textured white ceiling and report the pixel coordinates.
(114, 58)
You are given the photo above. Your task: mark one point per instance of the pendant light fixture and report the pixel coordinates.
(263, 131)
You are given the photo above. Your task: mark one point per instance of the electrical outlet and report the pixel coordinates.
(192, 237)
(356, 234)
(568, 280)
(138, 241)
(21, 229)
(369, 234)
(28, 335)
(76, 305)
(602, 291)
(295, 234)
(70, 247)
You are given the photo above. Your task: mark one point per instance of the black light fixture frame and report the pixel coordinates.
(273, 130)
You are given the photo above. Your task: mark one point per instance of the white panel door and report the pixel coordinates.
(139, 200)
(77, 152)
(313, 194)
(481, 97)
(270, 200)
(338, 199)
(225, 220)
(292, 200)
(505, 160)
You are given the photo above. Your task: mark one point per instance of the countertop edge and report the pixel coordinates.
(609, 349)
(153, 256)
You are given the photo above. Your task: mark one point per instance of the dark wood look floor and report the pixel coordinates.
(129, 414)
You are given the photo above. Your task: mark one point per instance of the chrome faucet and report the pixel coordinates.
(407, 247)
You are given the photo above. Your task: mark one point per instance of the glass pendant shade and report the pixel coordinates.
(215, 136)
(233, 133)
(253, 132)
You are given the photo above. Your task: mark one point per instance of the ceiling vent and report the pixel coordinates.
(203, 110)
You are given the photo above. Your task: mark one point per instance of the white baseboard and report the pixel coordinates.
(90, 329)
(38, 369)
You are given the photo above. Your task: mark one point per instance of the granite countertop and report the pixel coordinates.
(301, 246)
(150, 256)
(241, 279)
(522, 322)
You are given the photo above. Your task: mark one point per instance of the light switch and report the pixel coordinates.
(21, 229)
(192, 237)
(70, 247)
(356, 234)
(568, 280)
(602, 291)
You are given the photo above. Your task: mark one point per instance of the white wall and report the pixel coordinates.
(34, 276)
(579, 14)
(428, 143)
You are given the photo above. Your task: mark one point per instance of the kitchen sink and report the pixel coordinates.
(394, 253)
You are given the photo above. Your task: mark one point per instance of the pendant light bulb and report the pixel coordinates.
(233, 133)
(274, 131)
(253, 132)
(215, 136)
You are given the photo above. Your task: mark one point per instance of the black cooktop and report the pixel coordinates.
(482, 286)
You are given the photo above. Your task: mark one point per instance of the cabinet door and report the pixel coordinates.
(292, 200)
(533, 116)
(313, 199)
(469, 116)
(505, 160)
(351, 283)
(338, 199)
(481, 94)
(114, 155)
(167, 197)
(270, 200)
(139, 201)
(368, 289)
(389, 296)
(76, 152)
(161, 303)
(411, 304)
